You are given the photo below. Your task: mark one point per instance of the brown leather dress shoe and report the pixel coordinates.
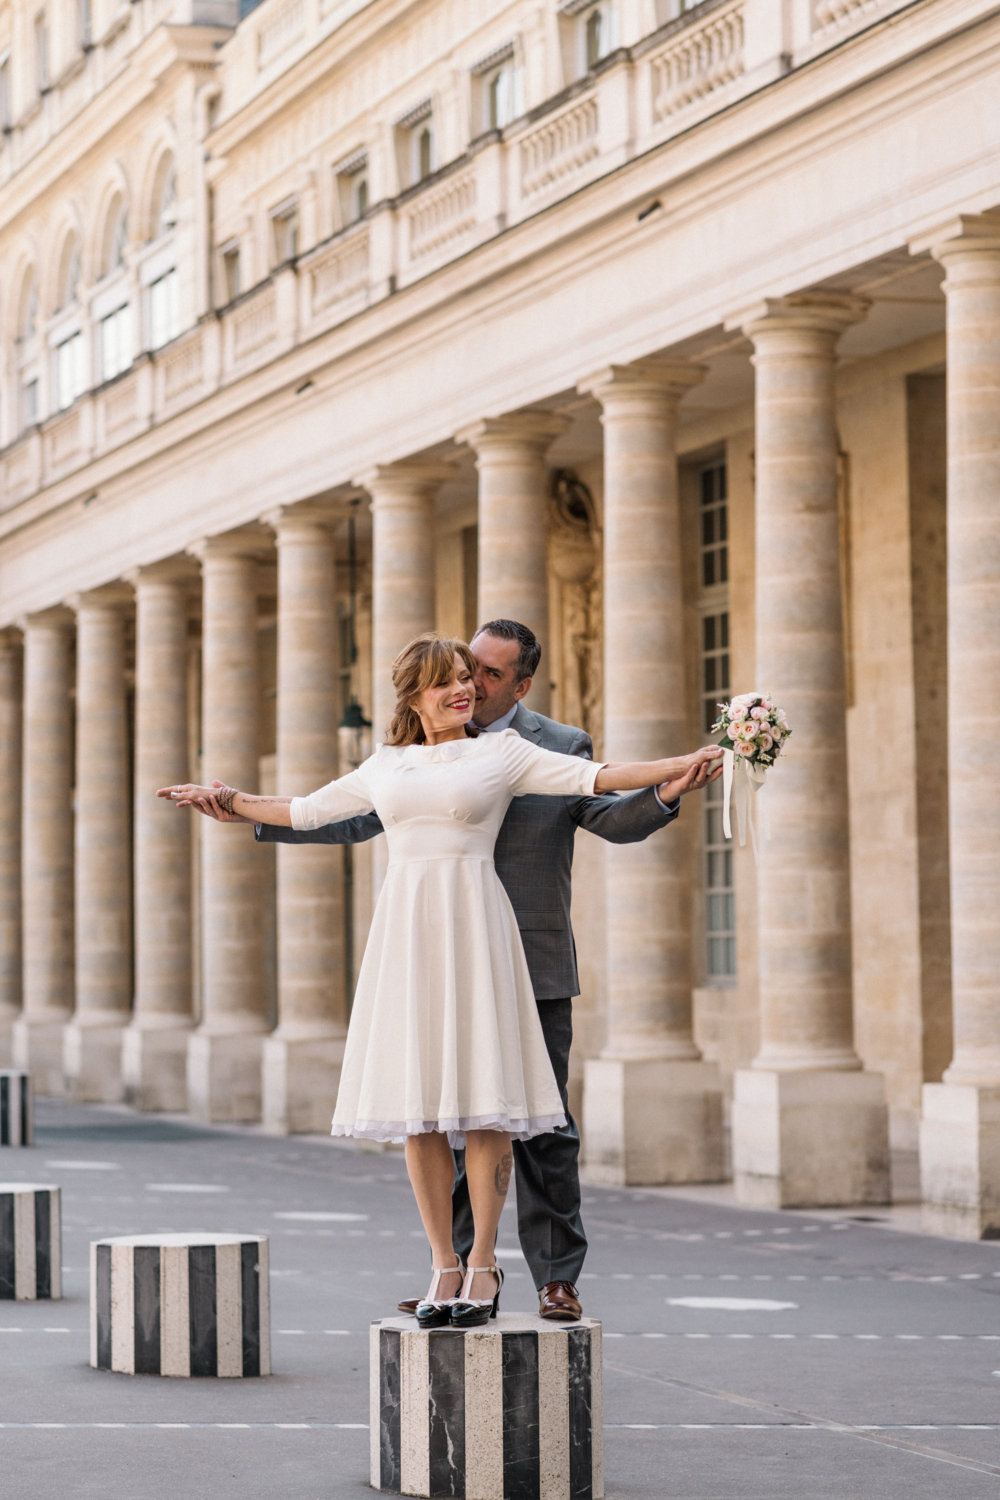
(410, 1305)
(559, 1302)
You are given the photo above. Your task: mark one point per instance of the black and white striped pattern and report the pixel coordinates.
(30, 1242)
(510, 1411)
(180, 1304)
(16, 1108)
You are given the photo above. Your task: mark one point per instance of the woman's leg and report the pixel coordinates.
(489, 1162)
(432, 1173)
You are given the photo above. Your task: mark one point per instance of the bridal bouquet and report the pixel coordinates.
(753, 734)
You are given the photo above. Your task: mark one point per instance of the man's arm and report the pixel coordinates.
(351, 831)
(620, 820)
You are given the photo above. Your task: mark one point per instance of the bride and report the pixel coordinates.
(445, 1046)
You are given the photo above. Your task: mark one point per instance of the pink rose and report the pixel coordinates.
(758, 713)
(764, 741)
(737, 715)
(747, 748)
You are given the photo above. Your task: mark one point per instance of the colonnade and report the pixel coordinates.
(809, 1123)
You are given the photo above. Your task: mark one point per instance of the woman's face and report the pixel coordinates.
(449, 706)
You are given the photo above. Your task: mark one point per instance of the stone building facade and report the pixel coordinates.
(670, 329)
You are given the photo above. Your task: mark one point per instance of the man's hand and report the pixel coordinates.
(696, 777)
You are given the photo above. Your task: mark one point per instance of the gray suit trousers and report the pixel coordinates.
(546, 1174)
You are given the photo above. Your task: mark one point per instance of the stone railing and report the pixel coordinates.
(442, 214)
(252, 325)
(560, 148)
(338, 275)
(284, 26)
(836, 13)
(704, 57)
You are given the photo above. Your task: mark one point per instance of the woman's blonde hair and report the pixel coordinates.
(428, 661)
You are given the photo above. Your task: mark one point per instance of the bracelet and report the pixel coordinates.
(224, 797)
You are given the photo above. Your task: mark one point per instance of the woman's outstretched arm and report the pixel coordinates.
(275, 810)
(682, 772)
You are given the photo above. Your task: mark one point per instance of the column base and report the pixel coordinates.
(8, 1015)
(960, 1160)
(37, 1047)
(223, 1077)
(300, 1082)
(92, 1063)
(652, 1121)
(154, 1068)
(810, 1139)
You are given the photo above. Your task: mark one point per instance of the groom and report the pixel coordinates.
(534, 858)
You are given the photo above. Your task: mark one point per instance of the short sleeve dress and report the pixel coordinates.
(444, 1032)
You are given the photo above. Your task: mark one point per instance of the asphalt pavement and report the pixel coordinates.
(759, 1355)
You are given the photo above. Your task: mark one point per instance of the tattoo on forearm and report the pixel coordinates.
(501, 1176)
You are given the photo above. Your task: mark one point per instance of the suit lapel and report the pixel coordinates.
(527, 724)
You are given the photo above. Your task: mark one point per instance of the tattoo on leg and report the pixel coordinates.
(502, 1174)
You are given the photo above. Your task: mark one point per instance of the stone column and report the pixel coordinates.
(514, 524)
(47, 848)
(302, 1057)
(224, 1053)
(652, 1107)
(402, 498)
(960, 1130)
(92, 1042)
(808, 1126)
(11, 730)
(154, 1053)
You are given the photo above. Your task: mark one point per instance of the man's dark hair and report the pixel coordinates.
(529, 652)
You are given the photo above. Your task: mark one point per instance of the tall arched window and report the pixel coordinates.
(115, 332)
(163, 217)
(69, 273)
(27, 309)
(115, 237)
(70, 374)
(27, 352)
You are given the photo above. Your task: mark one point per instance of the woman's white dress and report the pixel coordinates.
(444, 1032)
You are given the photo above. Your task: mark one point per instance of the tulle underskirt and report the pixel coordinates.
(398, 1130)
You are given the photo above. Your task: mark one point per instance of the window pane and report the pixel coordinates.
(164, 310)
(708, 569)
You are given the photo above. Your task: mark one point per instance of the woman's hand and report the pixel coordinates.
(631, 776)
(246, 808)
(203, 798)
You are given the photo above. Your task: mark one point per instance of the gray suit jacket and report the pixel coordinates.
(534, 851)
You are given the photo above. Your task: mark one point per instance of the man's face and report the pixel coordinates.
(496, 688)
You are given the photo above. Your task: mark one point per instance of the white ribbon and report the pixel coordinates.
(742, 783)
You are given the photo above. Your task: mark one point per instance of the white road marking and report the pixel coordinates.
(323, 1217)
(732, 1304)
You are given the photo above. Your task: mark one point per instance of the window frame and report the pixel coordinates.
(718, 889)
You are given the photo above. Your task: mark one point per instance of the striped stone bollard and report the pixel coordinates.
(16, 1108)
(30, 1242)
(180, 1304)
(510, 1411)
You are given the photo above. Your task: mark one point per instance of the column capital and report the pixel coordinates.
(960, 235)
(110, 597)
(398, 481)
(181, 569)
(660, 378)
(253, 542)
(827, 313)
(308, 516)
(537, 430)
(56, 617)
